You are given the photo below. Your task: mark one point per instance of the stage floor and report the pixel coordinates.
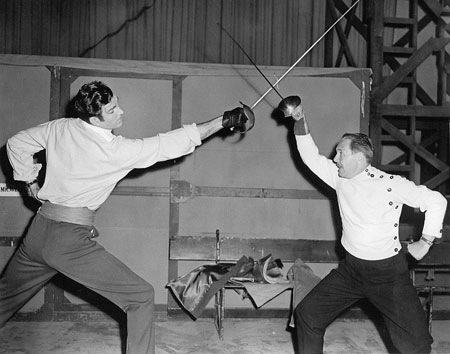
(175, 336)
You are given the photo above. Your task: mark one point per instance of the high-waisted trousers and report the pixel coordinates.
(53, 246)
(385, 283)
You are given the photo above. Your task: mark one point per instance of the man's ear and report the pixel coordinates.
(94, 120)
(361, 157)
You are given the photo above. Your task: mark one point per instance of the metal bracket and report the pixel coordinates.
(181, 191)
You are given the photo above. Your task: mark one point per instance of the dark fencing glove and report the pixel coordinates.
(240, 118)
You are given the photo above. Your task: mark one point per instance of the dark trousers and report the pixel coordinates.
(52, 247)
(385, 283)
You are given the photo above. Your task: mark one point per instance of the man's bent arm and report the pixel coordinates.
(301, 125)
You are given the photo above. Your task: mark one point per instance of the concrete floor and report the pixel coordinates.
(241, 336)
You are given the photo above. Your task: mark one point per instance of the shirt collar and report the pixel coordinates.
(105, 133)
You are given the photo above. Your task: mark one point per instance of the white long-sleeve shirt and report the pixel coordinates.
(85, 162)
(370, 204)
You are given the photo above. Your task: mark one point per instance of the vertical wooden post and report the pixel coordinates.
(376, 16)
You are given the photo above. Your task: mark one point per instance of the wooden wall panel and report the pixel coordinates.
(269, 192)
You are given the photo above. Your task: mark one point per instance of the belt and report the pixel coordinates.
(57, 212)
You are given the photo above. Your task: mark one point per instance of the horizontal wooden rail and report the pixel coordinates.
(231, 249)
(429, 112)
(203, 248)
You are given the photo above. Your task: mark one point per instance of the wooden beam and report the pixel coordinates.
(413, 146)
(182, 191)
(425, 143)
(415, 111)
(329, 38)
(437, 180)
(348, 27)
(390, 83)
(396, 168)
(421, 94)
(231, 249)
(376, 44)
(356, 23)
(202, 248)
(55, 93)
(423, 22)
(433, 7)
(142, 191)
(175, 172)
(341, 35)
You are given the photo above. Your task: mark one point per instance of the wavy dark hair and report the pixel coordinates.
(89, 100)
(360, 142)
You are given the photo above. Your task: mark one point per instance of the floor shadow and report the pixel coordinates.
(92, 299)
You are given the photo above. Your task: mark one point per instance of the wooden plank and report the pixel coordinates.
(421, 94)
(398, 50)
(376, 14)
(348, 27)
(415, 147)
(182, 191)
(402, 158)
(389, 84)
(142, 191)
(202, 248)
(356, 23)
(415, 111)
(55, 93)
(259, 193)
(328, 40)
(399, 21)
(433, 7)
(437, 180)
(395, 168)
(146, 69)
(405, 39)
(175, 172)
(192, 248)
(341, 35)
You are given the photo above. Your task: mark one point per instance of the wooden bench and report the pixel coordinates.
(230, 249)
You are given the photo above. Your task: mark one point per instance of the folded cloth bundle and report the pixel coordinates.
(194, 290)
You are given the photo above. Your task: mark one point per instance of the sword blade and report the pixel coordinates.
(304, 54)
(251, 61)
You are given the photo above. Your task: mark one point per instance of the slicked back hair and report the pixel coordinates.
(360, 142)
(90, 98)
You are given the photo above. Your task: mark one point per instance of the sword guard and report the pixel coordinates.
(289, 104)
(250, 116)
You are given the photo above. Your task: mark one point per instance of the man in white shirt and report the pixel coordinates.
(375, 267)
(85, 160)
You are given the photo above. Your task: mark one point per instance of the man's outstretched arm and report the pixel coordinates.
(234, 119)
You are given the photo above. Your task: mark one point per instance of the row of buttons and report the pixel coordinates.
(372, 175)
(390, 203)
